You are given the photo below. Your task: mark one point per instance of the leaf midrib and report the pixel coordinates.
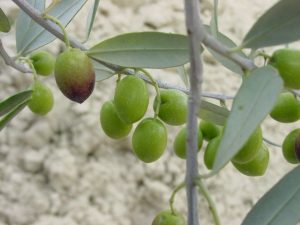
(136, 50)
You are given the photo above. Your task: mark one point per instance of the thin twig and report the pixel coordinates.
(214, 44)
(196, 35)
(10, 62)
(211, 204)
(172, 198)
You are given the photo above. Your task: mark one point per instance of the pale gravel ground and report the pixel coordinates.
(62, 170)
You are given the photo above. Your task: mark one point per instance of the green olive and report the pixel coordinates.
(173, 107)
(131, 99)
(168, 218)
(43, 62)
(250, 148)
(286, 108)
(111, 123)
(291, 147)
(42, 100)
(209, 130)
(257, 166)
(75, 75)
(149, 140)
(288, 64)
(211, 151)
(179, 145)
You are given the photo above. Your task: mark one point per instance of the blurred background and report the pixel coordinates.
(61, 169)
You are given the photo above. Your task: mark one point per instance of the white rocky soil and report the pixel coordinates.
(62, 170)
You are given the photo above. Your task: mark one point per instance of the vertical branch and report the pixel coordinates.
(195, 36)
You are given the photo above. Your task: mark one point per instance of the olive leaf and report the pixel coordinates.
(13, 101)
(143, 50)
(213, 113)
(30, 35)
(4, 22)
(253, 102)
(91, 18)
(278, 25)
(102, 72)
(8, 117)
(280, 205)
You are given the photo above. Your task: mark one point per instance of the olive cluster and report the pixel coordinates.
(74, 75)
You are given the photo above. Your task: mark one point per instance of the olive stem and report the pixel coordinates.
(212, 207)
(30, 64)
(58, 23)
(172, 198)
(154, 83)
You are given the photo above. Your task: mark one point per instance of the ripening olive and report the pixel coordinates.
(257, 166)
(211, 151)
(149, 140)
(41, 101)
(111, 123)
(166, 217)
(43, 62)
(250, 148)
(131, 99)
(209, 130)
(75, 75)
(286, 108)
(287, 61)
(291, 147)
(173, 107)
(179, 145)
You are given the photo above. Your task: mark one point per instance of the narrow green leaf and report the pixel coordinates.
(11, 102)
(278, 25)
(280, 205)
(101, 71)
(143, 50)
(30, 35)
(229, 64)
(4, 22)
(183, 75)
(8, 117)
(25, 26)
(213, 113)
(91, 18)
(214, 27)
(253, 102)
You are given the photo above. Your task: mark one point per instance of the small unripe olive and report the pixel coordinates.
(211, 151)
(173, 107)
(288, 64)
(43, 62)
(250, 148)
(286, 108)
(168, 218)
(111, 123)
(257, 166)
(179, 145)
(42, 100)
(291, 147)
(149, 140)
(131, 99)
(75, 75)
(209, 130)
